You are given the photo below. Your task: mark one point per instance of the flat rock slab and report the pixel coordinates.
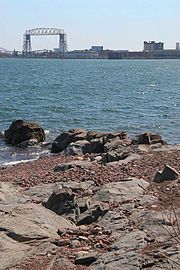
(125, 253)
(117, 260)
(31, 222)
(73, 164)
(125, 190)
(160, 225)
(10, 194)
(42, 192)
(134, 240)
(125, 161)
(11, 252)
(115, 221)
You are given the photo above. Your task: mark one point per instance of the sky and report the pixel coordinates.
(115, 24)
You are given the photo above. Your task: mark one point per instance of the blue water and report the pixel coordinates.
(130, 95)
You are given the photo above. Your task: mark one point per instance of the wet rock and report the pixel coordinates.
(150, 138)
(62, 141)
(120, 153)
(2, 135)
(77, 148)
(168, 173)
(117, 134)
(115, 143)
(92, 134)
(86, 258)
(28, 143)
(20, 131)
(96, 146)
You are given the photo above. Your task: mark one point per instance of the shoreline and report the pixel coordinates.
(126, 214)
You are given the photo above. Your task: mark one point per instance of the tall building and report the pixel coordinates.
(178, 46)
(153, 46)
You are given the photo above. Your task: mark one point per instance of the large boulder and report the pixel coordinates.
(62, 141)
(20, 131)
(92, 134)
(150, 138)
(62, 201)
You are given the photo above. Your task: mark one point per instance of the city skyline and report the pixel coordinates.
(113, 24)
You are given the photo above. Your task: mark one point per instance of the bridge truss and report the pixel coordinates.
(27, 49)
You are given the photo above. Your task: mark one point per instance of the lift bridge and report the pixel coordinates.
(27, 49)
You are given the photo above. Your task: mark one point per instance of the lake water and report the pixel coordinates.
(131, 95)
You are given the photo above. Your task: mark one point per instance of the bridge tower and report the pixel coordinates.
(27, 44)
(27, 49)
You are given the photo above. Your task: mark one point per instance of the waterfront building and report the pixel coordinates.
(177, 46)
(96, 48)
(81, 54)
(153, 46)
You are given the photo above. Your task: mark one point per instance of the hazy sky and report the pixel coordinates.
(115, 24)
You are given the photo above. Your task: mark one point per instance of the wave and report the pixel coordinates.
(10, 163)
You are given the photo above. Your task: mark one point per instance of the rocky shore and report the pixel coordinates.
(99, 201)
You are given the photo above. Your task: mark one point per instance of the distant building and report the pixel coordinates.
(58, 50)
(153, 46)
(96, 48)
(118, 54)
(178, 46)
(81, 54)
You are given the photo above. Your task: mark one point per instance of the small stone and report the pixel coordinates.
(86, 258)
(83, 238)
(75, 243)
(154, 206)
(62, 242)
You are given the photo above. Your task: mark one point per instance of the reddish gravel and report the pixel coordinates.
(42, 170)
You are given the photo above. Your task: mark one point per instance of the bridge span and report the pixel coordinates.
(27, 48)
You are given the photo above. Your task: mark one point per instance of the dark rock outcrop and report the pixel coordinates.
(80, 210)
(150, 138)
(21, 130)
(1, 135)
(80, 142)
(62, 141)
(168, 173)
(95, 211)
(62, 201)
